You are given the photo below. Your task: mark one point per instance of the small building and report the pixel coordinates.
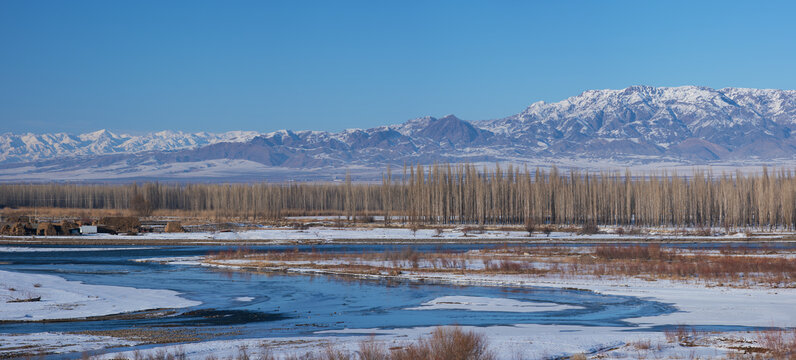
(88, 229)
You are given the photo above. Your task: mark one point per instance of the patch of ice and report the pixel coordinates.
(478, 303)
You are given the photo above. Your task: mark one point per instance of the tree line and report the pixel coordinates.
(463, 194)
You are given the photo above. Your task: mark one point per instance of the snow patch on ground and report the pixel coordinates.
(46, 249)
(31, 297)
(478, 303)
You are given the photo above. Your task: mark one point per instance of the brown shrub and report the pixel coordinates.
(46, 229)
(66, 226)
(507, 266)
(372, 350)
(651, 251)
(589, 229)
(122, 224)
(654, 261)
(678, 334)
(447, 343)
(22, 229)
(780, 344)
(239, 253)
(174, 227)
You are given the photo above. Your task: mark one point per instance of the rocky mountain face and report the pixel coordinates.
(689, 124)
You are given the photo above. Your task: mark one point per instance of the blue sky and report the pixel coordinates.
(139, 66)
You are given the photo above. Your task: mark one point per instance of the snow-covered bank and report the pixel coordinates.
(31, 297)
(15, 249)
(328, 234)
(22, 345)
(524, 341)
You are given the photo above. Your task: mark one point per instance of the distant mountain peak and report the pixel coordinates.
(450, 117)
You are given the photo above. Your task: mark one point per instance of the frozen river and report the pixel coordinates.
(249, 305)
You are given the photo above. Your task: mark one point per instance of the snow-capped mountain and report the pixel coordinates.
(695, 123)
(16, 148)
(639, 124)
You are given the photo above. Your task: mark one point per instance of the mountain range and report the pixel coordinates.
(686, 125)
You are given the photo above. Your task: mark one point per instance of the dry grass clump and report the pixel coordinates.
(239, 253)
(178, 354)
(780, 344)
(648, 252)
(406, 254)
(746, 250)
(653, 261)
(681, 335)
(446, 344)
(509, 267)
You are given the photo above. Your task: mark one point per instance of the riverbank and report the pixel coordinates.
(399, 235)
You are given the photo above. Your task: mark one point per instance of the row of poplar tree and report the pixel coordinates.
(464, 194)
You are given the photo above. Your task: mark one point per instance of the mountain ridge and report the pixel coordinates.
(638, 124)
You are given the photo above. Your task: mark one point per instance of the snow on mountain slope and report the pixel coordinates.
(16, 148)
(654, 121)
(777, 105)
